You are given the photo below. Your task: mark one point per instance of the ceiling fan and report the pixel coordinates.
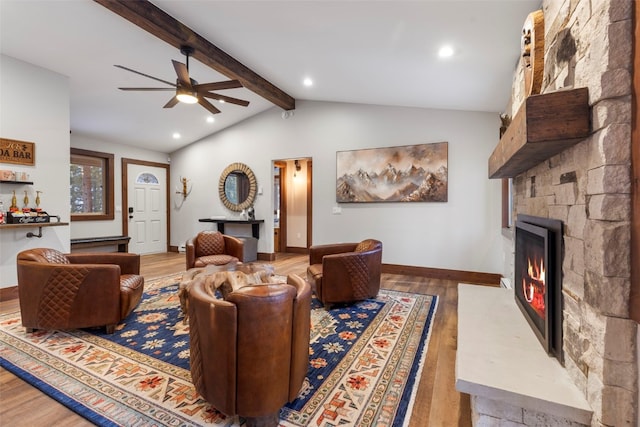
(187, 89)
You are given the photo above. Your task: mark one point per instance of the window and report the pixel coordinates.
(91, 185)
(507, 203)
(147, 178)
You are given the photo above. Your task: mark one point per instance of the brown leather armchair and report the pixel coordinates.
(345, 272)
(250, 352)
(64, 291)
(213, 247)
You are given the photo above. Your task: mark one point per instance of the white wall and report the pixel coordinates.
(119, 151)
(34, 107)
(462, 234)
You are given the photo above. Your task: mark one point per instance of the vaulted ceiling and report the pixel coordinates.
(370, 52)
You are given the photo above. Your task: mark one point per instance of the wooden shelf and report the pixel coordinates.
(33, 224)
(544, 126)
(3, 181)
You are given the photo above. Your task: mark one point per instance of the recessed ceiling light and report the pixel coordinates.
(221, 101)
(445, 52)
(176, 135)
(211, 119)
(307, 82)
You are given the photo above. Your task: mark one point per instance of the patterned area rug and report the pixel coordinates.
(364, 364)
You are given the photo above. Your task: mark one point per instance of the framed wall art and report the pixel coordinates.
(409, 173)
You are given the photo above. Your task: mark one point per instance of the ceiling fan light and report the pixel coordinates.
(186, 96)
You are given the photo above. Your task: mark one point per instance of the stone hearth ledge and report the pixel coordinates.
(500, 358)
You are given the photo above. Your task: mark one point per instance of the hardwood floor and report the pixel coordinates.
(437, 402)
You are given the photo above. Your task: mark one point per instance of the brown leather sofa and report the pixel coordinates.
(64, 291)
(345, 272)
(213, 247)
(250, 352)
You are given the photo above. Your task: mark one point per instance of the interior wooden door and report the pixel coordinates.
(280, 206)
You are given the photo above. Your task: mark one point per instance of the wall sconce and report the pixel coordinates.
(298, 168)
(186, 189)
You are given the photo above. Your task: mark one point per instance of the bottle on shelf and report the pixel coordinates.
(2, 218)
(14, 202)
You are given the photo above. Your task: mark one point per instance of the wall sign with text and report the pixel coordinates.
(18, 152)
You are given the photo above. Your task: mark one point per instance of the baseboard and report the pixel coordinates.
(472, 277)
(7, 294)
(297, 250)
(174, 249)
(264, 256)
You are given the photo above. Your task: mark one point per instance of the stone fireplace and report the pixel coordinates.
(588, 44)
(586, 186)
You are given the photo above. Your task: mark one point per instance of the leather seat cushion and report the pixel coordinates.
(315, 270)
(314, 276)
(203, 261)
(131, 287)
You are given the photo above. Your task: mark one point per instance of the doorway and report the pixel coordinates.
(145, 213)
(292, 194)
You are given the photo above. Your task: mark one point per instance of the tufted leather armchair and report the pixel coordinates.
(250, 352)
(64, 291)
(345, 272)
(213, 247)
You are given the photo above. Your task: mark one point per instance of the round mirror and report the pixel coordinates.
(237, 187)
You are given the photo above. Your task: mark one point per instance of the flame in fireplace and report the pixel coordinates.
(534, 285)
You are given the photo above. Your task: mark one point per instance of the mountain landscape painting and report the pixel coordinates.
(409, 173)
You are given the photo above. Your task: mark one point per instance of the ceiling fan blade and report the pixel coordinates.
(173, 101)
(146, 75)
(182, 72)
(206, 87)
(206, 104)
(228, 99)
(148, 88)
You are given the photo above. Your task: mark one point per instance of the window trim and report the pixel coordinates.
(109, 190)
(507, 203)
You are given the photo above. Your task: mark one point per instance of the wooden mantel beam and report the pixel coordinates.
(545, 125)
(154, 20)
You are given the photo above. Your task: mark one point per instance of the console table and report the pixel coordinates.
(255, 224)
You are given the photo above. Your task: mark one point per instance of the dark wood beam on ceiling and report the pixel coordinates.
(154, 20)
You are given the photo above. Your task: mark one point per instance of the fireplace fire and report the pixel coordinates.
(538, 278)
(534, 286)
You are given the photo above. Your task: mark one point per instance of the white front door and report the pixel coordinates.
(147, 209)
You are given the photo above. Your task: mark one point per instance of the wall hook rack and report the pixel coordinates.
(186, 187)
